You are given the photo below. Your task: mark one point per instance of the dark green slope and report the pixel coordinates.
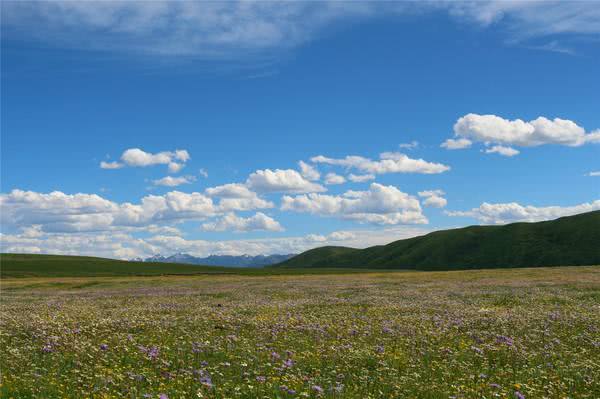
(572, 240)
(25, 265)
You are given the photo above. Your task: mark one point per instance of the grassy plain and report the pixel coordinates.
(511, 333)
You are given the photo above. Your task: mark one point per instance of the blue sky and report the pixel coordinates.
(130, 129)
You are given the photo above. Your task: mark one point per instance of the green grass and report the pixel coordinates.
(464, 334)
(572, 240)
(23, 265)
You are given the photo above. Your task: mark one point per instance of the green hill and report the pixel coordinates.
(33, 265)
(22, 265)
(572, 240)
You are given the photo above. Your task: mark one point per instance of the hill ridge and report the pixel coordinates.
(569, 240)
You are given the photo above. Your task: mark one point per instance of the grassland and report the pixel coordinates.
(531, 333)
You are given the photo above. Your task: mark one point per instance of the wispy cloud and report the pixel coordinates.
(234, 29)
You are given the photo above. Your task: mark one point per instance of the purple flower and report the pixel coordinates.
(291, 392)
(103, 347)
(47, 348)
(317, 389)
(275, 355)
(379, 349)
(163, 396)
(261, 378)
(206, 381)
(502, 339)
(494, 385)
(519, 395)
(288, 363)
(196, 347)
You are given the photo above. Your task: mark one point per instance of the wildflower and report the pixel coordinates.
(519, 395)
(379, 349)
(103, 347)
(261, 378)
(163, 396)
(206, 381)
(502, 339)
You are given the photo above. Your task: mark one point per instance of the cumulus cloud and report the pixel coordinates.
(309, 172)
(389, 162)
(502, 150)
(595, 173)
(111, 165)
(501, 133)
(60, 212)
(513, 212)
(456, 144)
(236, 196)
(232, 222)
(281, 181)
(380, 205)
(135, 157)
(125, 246)
(433, 198)
(170, 181)
(360, 178)
(332, 178)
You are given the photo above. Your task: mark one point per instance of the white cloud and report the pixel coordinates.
(63, 213)
(124, 245)
(433, 198)
(390, 162)
(492, 129)
(232, 222)
(202, 172)
(380, 204)
(309, 172)
(136, 157)
(236, 196)
(513, 212)
(502, 150)
(282, 181)
(360, 178)
(111, 165)
(332, 178)
(171, 181)
(595, 173)
(231, 190)
(456, 144)
(237, 28)
(409, 146)
(530, 19)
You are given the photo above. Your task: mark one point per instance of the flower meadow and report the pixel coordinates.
(527, 333)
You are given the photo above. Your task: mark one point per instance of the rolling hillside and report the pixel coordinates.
(23, 265)
(41, 266)
(572, 240)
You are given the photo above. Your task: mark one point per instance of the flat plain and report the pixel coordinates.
(510, 333)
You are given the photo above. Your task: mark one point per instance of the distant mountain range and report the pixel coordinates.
(219, 260)
(567, 241)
